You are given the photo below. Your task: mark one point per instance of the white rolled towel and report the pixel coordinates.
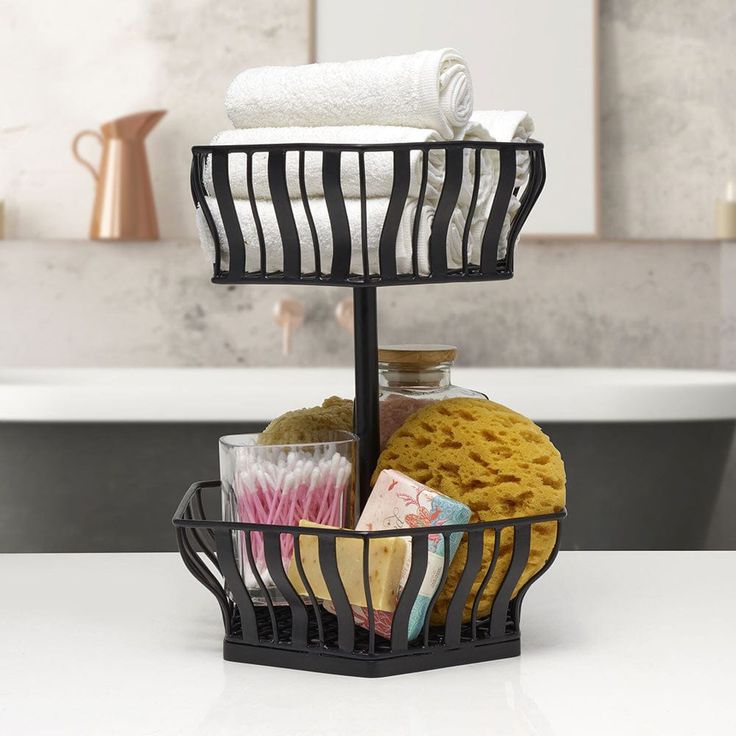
(429, 89)
(499, 125)
(514, 126)
(379, 165)
(506, 125)
(375, 216)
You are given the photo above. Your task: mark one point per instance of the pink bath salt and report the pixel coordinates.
(395, 410)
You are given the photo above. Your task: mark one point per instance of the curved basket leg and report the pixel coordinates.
(202, 573)
(187, 537)
(515, 606)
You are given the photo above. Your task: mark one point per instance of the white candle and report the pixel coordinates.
(726, 213)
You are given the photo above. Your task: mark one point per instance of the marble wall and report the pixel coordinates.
(668, 130)
(667, 133)
(667, 94)
(649, 303)
(72, 65)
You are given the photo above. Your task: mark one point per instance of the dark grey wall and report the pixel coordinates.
(114, 487)
(100, 487)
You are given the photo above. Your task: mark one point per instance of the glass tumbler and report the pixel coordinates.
(283, 485)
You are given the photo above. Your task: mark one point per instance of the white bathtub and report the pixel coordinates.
(97, 460)
(255, 394)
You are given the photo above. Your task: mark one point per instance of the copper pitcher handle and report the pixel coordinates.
(75, 152)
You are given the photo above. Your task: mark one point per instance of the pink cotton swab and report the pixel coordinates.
(292, 487)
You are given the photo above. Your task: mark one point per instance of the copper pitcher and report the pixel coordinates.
(124, 207)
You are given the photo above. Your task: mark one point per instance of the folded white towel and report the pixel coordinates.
(379, 165)
(375, 217)
(429, 89)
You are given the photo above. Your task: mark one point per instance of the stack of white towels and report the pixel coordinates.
(427, 96)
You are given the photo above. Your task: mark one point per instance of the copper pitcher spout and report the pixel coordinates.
(124, 208)
(132, 127)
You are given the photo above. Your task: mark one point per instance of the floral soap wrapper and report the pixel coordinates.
(399, 502)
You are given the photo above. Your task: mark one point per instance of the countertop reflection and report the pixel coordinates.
(612, 643)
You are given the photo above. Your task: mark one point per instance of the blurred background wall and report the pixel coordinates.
(177, 55)
(585, 303)
(666, 109)
(655, 289)
(666, 98)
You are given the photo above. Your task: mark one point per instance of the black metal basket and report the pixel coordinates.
(303, 635)
(472, 168)
(485, 225)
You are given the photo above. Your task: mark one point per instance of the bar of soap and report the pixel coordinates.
(386, 559)
(398, 501)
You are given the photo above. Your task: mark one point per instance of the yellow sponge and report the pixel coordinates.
(306, 425)
(497, 462)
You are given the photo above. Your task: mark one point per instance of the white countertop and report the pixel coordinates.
(130, 645)
(258, 394)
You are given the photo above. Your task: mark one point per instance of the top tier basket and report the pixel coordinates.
(484, 192)
(315, 222)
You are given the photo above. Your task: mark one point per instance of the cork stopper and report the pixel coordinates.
(417, 356)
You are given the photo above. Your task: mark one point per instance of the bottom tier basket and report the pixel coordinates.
(304, 635)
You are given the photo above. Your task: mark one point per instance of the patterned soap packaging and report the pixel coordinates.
(399, 502)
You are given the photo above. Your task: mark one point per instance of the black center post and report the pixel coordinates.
(366, 387)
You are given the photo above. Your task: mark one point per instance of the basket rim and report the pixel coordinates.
(180, 521)
(530, 145)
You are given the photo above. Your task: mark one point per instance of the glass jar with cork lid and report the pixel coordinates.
(411, 377)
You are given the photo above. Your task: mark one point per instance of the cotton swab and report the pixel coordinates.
(290, 487)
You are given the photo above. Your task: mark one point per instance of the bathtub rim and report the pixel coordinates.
(258, 394)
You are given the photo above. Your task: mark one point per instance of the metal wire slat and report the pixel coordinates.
(226, 555)
(451, 187)
(394, 213)
(471, 208)
(363, 217)
(338, 596)
(369, 597)
(537, 176)
(205, 537)
(473, 561)
(310, 591)
(408, 597)
(229, 215)
(440, 587)
(204, 576)
(274, 563)
(519, 559)
(254, 211)
(342, 244)
(310, 219)
(418, 215)
(198, 507)
(519, 597)
(262, 586)
(499, 208)
(484, 583)
(197, 541)
(199, 194)
(284, 215)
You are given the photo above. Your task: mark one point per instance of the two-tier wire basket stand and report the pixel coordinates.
(302, 634)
